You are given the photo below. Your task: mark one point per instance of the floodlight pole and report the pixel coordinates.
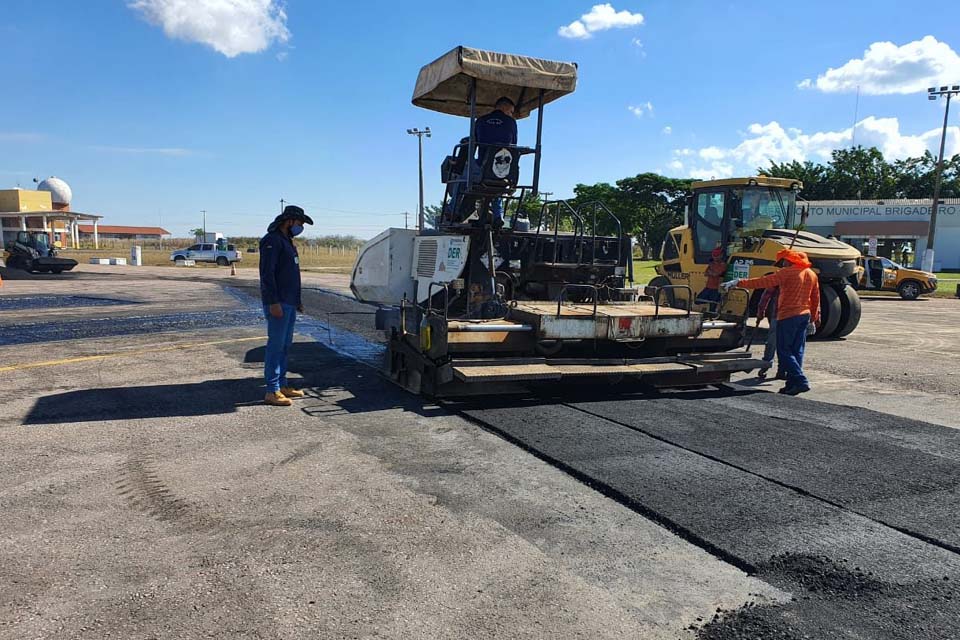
(420, 134)
(932, 94)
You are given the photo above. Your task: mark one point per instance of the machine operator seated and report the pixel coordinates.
(495, 166)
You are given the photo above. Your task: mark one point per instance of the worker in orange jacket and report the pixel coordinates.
(798, 312)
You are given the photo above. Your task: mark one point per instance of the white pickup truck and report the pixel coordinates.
(208, 252)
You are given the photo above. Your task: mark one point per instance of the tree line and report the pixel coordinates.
(648, 205)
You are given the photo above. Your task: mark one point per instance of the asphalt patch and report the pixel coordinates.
(26, 303)
(128, 325)
(835, 600)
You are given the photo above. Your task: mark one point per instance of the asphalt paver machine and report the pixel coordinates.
(485, 303)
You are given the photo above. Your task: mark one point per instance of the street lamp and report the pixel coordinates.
(420, 133)
(932, 94)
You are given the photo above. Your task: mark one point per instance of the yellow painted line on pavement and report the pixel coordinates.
(124, 354)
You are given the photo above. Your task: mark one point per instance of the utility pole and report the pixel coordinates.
(204, 212)
(406, 219)
(420, 134)
(932, 94)
(282, 203)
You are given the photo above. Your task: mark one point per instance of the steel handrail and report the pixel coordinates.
(563, 290)
(579, 228)
(656, 298)
(595, 204)
(446, 297)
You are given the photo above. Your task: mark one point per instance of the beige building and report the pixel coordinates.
(46, 210)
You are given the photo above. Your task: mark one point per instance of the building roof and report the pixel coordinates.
(133, 231)
(51, 215)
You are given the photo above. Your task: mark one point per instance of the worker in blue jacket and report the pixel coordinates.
(280, 293)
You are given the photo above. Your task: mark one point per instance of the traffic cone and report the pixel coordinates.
(233, 268)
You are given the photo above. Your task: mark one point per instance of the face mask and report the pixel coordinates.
(296, 229)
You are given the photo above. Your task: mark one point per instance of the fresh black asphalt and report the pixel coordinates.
(851, 510)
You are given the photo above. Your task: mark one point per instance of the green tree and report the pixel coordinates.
(657, 203)
(197, 233)
(860, 173)
(811, 174)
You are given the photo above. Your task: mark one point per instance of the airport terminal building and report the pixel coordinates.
(900, 227)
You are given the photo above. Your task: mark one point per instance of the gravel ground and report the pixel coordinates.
(148, 493)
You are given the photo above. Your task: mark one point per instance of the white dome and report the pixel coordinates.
(60, 191)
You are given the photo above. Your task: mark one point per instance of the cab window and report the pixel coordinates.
(709, 223)
(670, 250)
(760, 209)
(206, 247)
(195, 247)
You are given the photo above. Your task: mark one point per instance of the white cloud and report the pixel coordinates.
(764, 143)
(886, 68)
(231, 27)
(640, 110)
(21, 136)
(675, 164)
(158, 151)
(600, 18)
(667, 130)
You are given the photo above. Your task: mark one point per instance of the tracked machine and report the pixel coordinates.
(486, 303)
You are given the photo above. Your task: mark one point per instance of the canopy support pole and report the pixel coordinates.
(471, 148)
(536, 160)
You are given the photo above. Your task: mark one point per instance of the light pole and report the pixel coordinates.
(932, 94)
(204, 212)
(420, 133)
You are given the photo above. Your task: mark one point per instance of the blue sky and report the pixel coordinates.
(155, 109)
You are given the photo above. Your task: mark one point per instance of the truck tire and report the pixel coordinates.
(222, 261)
(909, 289)
(668, 298)
(850, 311)
(178, 259)
(830, 312)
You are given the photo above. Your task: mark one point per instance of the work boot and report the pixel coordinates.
(277, 399)
(290, 392)
(794, 391)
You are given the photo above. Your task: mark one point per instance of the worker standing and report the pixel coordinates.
(280, 294)
(768, 309)
(798, 310)
(715, 270)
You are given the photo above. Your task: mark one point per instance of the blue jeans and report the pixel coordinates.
(791, 342)
(770, 349)
(279, 339)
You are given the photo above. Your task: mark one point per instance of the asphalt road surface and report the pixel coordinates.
(147, 493)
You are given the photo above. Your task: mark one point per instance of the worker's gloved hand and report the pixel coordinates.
(729, 284)
(811, 329)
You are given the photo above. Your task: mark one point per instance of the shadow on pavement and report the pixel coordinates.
(19, 274)
(131, 403)
(327, 377)
(351, 386)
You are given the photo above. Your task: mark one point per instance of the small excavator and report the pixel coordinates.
(485, 303)
(32, 253)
